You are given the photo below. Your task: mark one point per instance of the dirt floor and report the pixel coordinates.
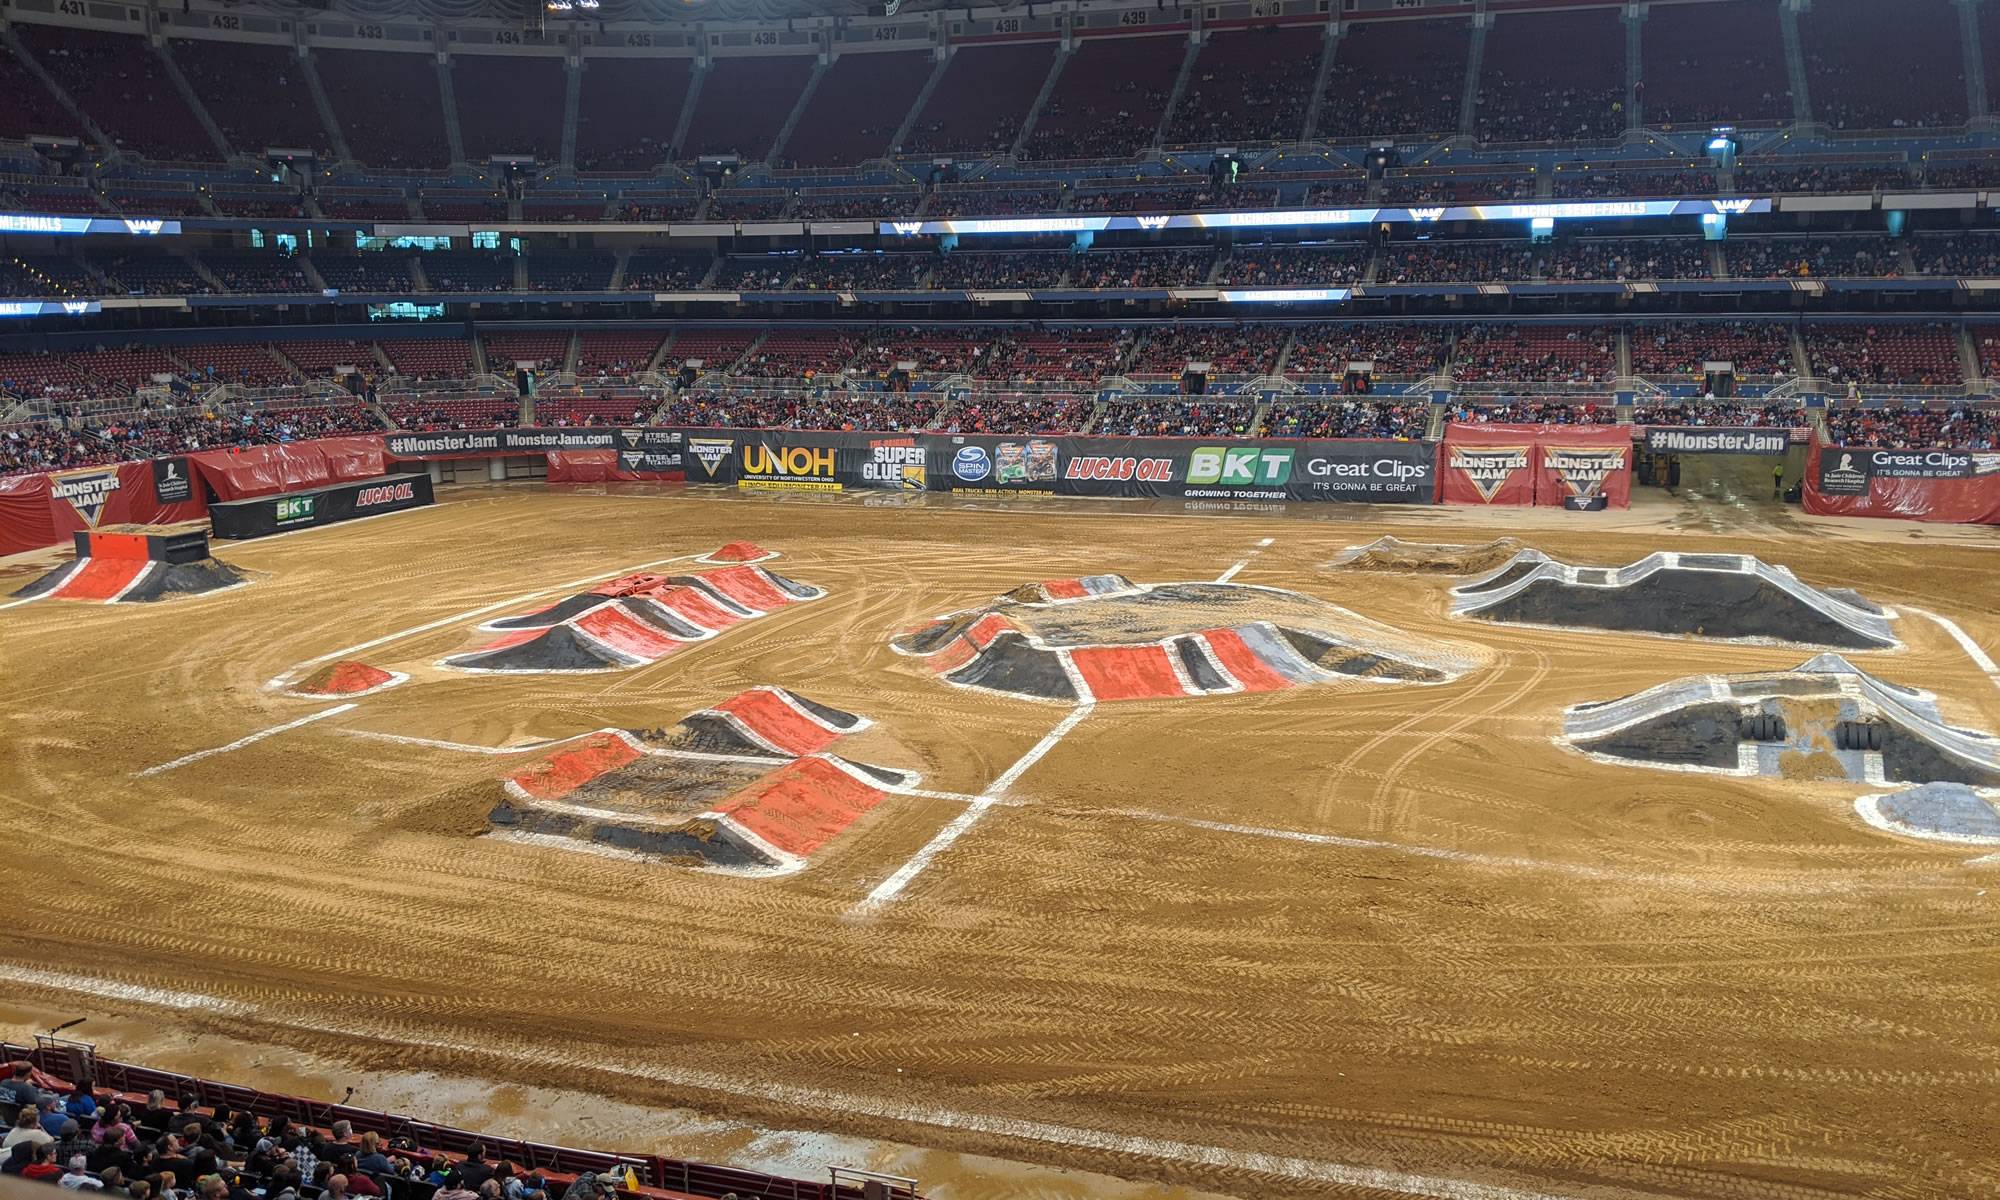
(1315, 942)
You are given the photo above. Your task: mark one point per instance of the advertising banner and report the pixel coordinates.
(1661, 439)
(172, 483)
(1186, 468)
(262, 516)
(1488, 464)
(45, 510)
(486, 443)
(988, 465)
(1584, 467)
(1957, 486)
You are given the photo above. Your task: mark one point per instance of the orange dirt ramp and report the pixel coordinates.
(346, 679)
(738, 552)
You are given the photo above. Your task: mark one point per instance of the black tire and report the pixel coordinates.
(1874, 736)
(1746, 729)
(1775, 729)
(1843, 736)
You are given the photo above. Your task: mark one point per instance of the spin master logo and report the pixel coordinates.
(1489, 467)
(85, 491)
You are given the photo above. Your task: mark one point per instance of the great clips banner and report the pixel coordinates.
(1955, 486)
(1560, 466)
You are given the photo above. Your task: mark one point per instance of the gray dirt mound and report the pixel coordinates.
(185, 579)
(695, 842)
(1701, 603)
(1429, 558)
(1010, 664)
(556, 614)
(935, 634)
(560, 649)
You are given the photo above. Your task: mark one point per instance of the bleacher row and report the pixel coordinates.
(1889, 354)
(1256, 265)
(1875, 67)
(129, 1132)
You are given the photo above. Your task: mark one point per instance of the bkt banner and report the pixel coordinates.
(1186, 468)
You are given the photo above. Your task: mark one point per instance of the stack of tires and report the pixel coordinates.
(1858, 735)
(1762, 727)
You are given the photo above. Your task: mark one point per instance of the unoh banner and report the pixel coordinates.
(1957, 486)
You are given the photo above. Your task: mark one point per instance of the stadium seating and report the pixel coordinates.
(1755, 349)
(153, 275)
(1534, 353)
(1553, 76)
(1453, 185)
(389, 106)
(715, 349)
(855, 110)
(318, 357)
(364, 204)
(1596, 411)
(509, 105)
(571, 271)
(546, 350)
(1968, 255)
(1455, 262)
(1819, 178)
(1720, 414)
(1026, 412)
(865, 270)
(144, 113)
(257, 94)
(616, 353)
(255, 273)
(1581, 180)
(1869, 354)
(469, 272)
(1176, 418)
(1291, 265)
(1399, 351)
(1834, 255)
(246, 363)
(1108, 99)
(31, 109)
(1884, 66)
(1909, 427)
(374, 271)
(793, 353)
(1140, 268)
(743, 102)
(1249, 86)
(934, 351)
(53, 275)
(1348, 418)
(981, 99)
(1705, 63)
(852, 203)
(1022, 269)
(429, 357)
(663, 270)
(1063, 354)
(1625, 258)
(974, 200)
(1228, 350)
(757, 273)
(564, 206)
(626, 110)
(1396, 77)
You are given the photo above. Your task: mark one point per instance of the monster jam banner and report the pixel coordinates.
(1662, 439)
(1956, 486)
(1584, 467)
(262, 516)
(45, 510)
(1488, 464)
(615, 466)
(487, 443)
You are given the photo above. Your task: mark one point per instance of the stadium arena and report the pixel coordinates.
(1091, 599)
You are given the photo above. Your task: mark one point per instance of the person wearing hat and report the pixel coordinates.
(78, 1178)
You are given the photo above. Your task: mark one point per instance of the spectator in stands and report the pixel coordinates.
(19, 1156)
(50, 1114)
(20, 1089)
(371, 1158)
(156, 1116)
(455, 1189)
(28, 1128)
(43, 1167)
(587, 1187)
(71, 1140)
(82, 1104)
(77, 1177)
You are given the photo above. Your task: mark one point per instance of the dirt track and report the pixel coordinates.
(1391, 929)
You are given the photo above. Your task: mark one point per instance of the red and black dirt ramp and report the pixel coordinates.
(746, 785)
(631, 621)
(136, 564)
(346, 679)
(1103, 637)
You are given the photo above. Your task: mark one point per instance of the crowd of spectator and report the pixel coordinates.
(1955, 426)
(79, 439)
(1455, 262)
(1754, 349)
(1025, 412)
(1176, 417)
(1535, 353)
(1000, 270)
(1140, 268)
(1580, 183)
(1712, 413)
(1819, 178)
(1348, 419)
(1830, 256)
(1598, 411)
(1294, 265)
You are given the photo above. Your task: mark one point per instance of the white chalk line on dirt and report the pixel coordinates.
(287, 678)
(1309, 1170)
(1354, 843)
(1230, 574)
(241, 742)
(995, 792)
(1978, 656)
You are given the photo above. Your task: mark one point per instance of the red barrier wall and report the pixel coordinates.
(44, 510)
(1487, 464)
(290, 467)
(1579, 461)
(1966, 500)
(600, 466)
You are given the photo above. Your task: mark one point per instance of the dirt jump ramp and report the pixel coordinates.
(631, 621)
(1103, 637)
(747, 785)
(1727, 597)
(1393, 555)
(1825, 719)
(131, 581)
